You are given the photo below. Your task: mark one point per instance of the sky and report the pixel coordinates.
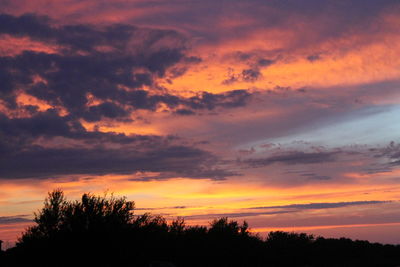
(283, 113)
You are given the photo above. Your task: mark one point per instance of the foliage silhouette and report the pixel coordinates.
(104, 231)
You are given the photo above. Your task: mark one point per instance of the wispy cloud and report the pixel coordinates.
(326, 205)
(14, 219)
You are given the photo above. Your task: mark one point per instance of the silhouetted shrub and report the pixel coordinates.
(90, 214)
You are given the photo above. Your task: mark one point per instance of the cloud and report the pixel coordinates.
(292, 158)
(209, 18)
(249, 75)
(106, 109)
(29, 24)
(14, 219)
(391, 152)
(102, 72)
(164, 208)
(235, 214)
(322, 205)
(184, 111)
(314, 176)
(31, 148)
(285, 209)
(210, 101)
(23, 155)
(97, 73)
(48, 124)
(313, 58)
(263, 62)
(39, 162)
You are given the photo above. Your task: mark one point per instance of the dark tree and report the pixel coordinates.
(91, 213)
(49, 219)
(103, 231)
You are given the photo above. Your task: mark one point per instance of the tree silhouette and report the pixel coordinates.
(103, 231)
(230, 228)
(178, 226)
(91, 213)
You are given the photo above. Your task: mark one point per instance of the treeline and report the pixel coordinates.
(103, 231)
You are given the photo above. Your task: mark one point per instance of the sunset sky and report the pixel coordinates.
(284, 113)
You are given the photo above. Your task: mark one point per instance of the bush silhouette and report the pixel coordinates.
(90, 214)
(104, 231)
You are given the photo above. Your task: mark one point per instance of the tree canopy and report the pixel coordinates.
(90, 213)
(103, 230)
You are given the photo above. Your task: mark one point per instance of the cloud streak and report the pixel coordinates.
(285, 209)
(292, 158)
(14, 219)
(322, 205)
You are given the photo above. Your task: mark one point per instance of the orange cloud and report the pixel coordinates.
(13, 46)
(352, 59)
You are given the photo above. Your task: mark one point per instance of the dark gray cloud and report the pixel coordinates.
(110, 63)
(371, 7)
(313, 58)
(19, 132)
(184, 111)
(263, 62)
(106, 109)
(29, 24)
(98, 72)
(210, 101)
(40, 162)
(202, 19)
(388, 158)
(291, 158)
(116, 76)
(88, 38)
(23, 155)
(314, 176)
(208, 169)
(250, 75)
(70, 78)
(391, 152)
